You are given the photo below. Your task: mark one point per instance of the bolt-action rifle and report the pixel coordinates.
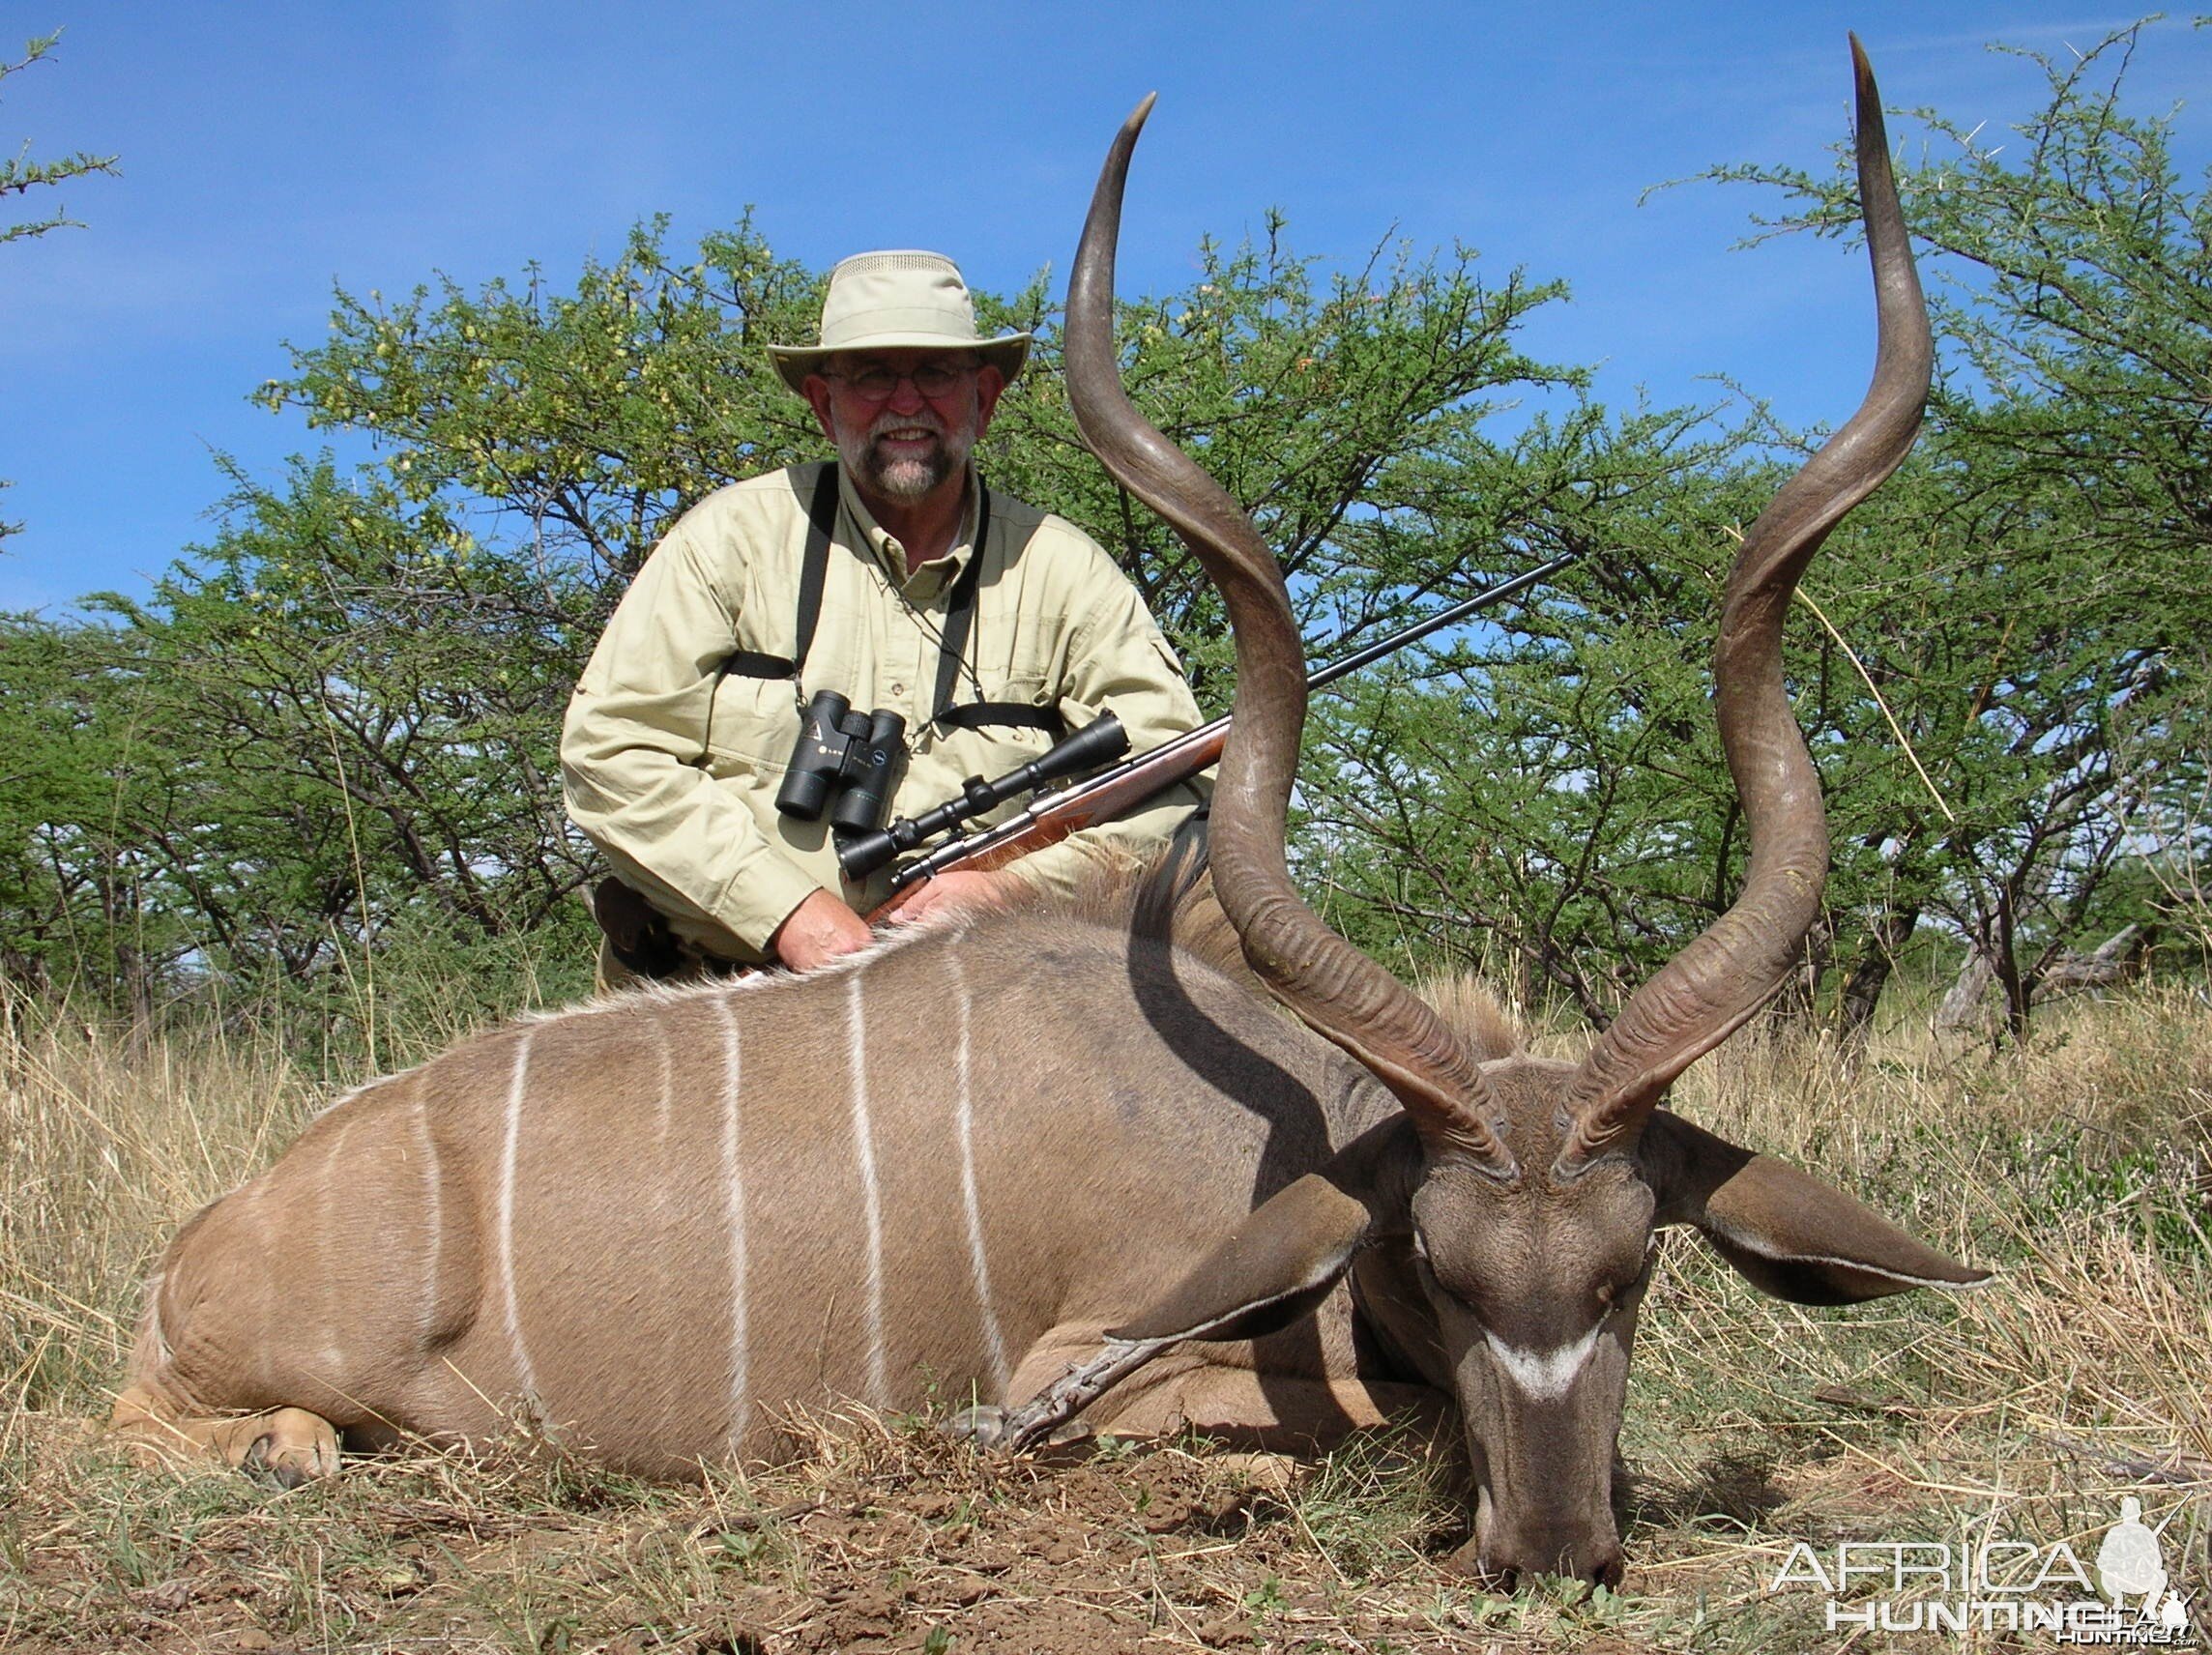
(1114, 792)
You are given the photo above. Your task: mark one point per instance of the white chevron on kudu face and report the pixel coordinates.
(1544, 1376)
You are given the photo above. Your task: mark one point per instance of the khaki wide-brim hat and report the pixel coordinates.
(898, 301)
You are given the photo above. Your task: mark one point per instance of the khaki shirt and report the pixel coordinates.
(672, 767)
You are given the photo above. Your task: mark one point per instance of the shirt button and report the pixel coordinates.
(898, 689)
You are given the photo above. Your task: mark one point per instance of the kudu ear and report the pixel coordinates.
(1281, 1262)
(1790, 1235)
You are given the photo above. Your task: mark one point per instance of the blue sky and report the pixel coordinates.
(270, 150)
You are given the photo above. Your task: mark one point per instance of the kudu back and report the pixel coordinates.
(933, 1172)
(1057, 1162)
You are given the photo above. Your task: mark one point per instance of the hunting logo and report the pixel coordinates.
(1997, 1584)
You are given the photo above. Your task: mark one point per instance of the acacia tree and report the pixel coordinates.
(2003, 687)
(570, 427)
(1336, 415)
(1549, 799)
(1994, 716)
(2073, 301)
(350, 698)
(581, 424)
(75, 902)
(368, 766)
(20, 174)
(1541, 797)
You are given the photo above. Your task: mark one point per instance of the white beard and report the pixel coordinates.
(904, 478)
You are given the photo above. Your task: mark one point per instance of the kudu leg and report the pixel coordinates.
(1155, 1394)
(1017, 1426)
(289, 1445)
(1278, 1414)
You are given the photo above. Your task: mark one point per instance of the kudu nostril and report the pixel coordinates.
(1503, 1561)
(1469, 1561)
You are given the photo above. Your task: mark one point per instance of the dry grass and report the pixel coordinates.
(2082, 1168)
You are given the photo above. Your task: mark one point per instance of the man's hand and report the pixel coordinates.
(962, 891)
(817, 931)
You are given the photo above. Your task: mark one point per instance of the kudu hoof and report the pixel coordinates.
(983, 1426)
(295, 1447)
(988, 1425)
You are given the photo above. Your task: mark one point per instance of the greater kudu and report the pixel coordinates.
(948, 1166)
(1497, 1233)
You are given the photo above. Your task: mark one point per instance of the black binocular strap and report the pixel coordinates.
(959, 619)
(1007, 714)
(959, 616)
(813, 574)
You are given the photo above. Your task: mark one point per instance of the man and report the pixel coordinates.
(990, 627)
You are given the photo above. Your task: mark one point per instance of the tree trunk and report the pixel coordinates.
(1962, 1006)
(2012, 979)
(2118, 958)
(1870, 972)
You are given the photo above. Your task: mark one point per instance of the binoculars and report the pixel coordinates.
(854, 755)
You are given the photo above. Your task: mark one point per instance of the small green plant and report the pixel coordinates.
(1267, 1596)
(741, 1547)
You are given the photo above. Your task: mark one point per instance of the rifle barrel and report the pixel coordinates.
(1437, 621)
(960, 847)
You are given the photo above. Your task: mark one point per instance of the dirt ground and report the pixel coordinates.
(2080, 1169)
(882, 1536)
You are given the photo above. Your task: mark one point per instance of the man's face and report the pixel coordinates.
(904, 422)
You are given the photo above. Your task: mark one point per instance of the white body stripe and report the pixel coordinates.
(664, 1101)
(666, 1209)
(871, 1197)
(254, 1218)
(964, 1116)
(330, 1235)
(503, 1241)
(734, 1216)
(1544, 1376)
(433, 1220)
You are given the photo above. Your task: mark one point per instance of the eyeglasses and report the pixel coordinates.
(877, 383)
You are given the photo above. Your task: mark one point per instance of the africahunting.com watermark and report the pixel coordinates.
(1984, 1583)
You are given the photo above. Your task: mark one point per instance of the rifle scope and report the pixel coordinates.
(1100, 741)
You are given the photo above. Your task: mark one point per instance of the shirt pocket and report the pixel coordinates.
(753, 725)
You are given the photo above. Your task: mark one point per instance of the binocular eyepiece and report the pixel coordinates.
(854, 755)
